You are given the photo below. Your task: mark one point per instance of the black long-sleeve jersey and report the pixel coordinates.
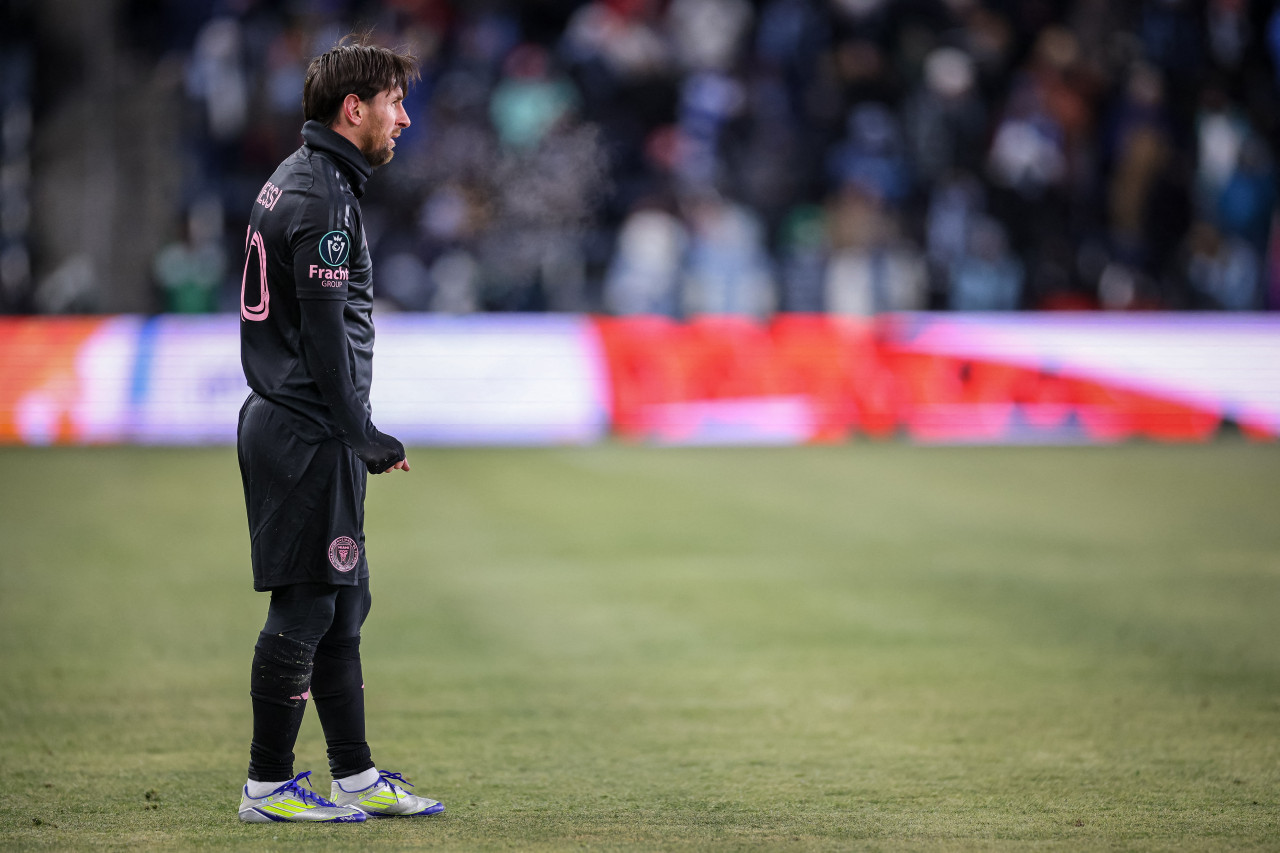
(306, 296)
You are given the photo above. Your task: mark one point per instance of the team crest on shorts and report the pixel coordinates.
(343, 553)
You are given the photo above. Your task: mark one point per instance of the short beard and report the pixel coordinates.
(380, 156)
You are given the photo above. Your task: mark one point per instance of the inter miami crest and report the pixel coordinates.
(344, 554)
(334, 248)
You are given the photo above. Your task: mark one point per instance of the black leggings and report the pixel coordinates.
(310, 648)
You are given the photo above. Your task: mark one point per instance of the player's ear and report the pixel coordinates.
(353, 109)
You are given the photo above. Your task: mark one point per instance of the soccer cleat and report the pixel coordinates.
(385, 798)
(292, 803)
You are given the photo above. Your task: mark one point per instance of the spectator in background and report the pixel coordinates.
(644, 273)
(1245, 204)
(803, 255)
(621, 62)
(191, 269)
(1223, 270)
(707, 35)
(955, 204)
(449, 219)
(872, 267)
(1227, 31)
(709, 100)
(620, 39)
(1226, 246)
(872, 156)
(726, 269)
(1172, 34)
(216, 81)
(946, 120)
(850, 144)
(529, 100)
(767, 151)
(546, 183)
(1036, 152)
(1144, 207)
(1221, 129)
(987, 277)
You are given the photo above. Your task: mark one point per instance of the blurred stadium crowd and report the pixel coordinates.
(676, 157)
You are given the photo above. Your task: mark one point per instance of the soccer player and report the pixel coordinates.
(306, 441)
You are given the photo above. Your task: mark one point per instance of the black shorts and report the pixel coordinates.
(305, 502)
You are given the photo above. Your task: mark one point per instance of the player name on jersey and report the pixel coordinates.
(269, 195)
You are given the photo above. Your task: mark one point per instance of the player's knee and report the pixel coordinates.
(282, 669)
(337, 668)
(304, 612)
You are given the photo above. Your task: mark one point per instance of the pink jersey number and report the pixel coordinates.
(252, 242)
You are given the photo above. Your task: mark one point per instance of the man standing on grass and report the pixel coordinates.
(306, 441)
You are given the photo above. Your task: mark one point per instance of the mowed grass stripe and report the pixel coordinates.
(872, 646)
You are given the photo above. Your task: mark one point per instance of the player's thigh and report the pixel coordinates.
(351, 608)
(303, 611)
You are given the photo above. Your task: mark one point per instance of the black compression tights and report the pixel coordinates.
(310, 646)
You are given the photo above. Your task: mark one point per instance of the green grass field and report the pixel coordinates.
(874, 646)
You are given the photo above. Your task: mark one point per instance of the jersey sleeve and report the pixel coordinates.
(322, 323)
(322, 245)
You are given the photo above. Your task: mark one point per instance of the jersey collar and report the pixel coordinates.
(348, 157)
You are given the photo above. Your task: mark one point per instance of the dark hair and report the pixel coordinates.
(353, 67)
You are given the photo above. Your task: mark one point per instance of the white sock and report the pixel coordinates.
(258, 790)
(358, 782)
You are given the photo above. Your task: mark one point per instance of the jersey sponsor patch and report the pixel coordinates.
(344, 553)
(334, 248)
(329, 277)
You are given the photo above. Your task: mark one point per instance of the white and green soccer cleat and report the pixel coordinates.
(292, 803)
(385, 798)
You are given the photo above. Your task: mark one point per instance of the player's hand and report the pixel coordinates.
(383, 453)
